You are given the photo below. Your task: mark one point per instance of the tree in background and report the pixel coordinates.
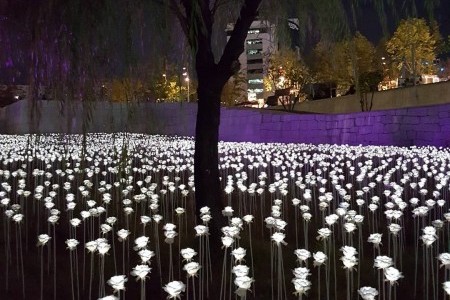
(125, 90)
(385, 64)
(323, 67)
(166, 89)
(368, 84)
(172, 88)
(413, 47)
(234, 90)
(285, 69)
(341, 63)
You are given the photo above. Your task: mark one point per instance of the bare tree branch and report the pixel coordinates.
(180, 16)
(217, 4)
(235, 45)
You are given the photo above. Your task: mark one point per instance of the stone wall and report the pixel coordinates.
(420, 95)
(404, 127)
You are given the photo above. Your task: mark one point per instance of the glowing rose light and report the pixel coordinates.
(72, 244)
(188, 254)
(394, 228)
(278, 238)
(174, 289)
(444, 258)
(103, 248)
(319, 258)
(240, 270)
(383, 262)
(227, 211)
(169, 227)
(324, 233)
(301, 273)
(145, 219)
(227, 241)
(301, 286)
(243, 283)
(91, 246)
(368, 293)
(248, 219)
(140, 272)
(204, 210)
(53, 219)
(239, 254)
(105, 228)
(117, 282)
(302, 254)
(43, 239)
(349, 262)
(331, 219)
(392, 275)
(157, 218)
(375, 239)
(201, 230)
(146, 255)
(110, 297)
(428, 239)
(349, 251)
(122, 234)
(192, 268)
(141, 243)
(349, 227)
(446, 286)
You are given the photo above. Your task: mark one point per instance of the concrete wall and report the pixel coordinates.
(53, 116)
(427, 94)
(412, 126)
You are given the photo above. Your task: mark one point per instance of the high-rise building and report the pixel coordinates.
(259, 44)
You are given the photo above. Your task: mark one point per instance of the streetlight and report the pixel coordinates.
(165, 78)
(186, 75)
(187, 80)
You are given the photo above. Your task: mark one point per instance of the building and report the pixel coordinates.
(259, 44)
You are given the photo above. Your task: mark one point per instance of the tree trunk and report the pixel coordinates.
(206, 171)
(206, 167)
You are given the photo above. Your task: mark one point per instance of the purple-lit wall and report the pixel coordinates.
(411, 126)
(402, 127)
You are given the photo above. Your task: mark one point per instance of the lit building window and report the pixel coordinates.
(253, 31)
(254, 51)
(255, 91)
(255, 81)
(254, 42)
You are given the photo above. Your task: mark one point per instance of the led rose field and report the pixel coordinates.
(113, 217)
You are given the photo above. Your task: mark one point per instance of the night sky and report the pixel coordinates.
(369, 23)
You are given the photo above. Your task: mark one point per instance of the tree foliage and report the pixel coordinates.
(285, 69)
(234, 90)
(125, 90)
(368, 84)
(342, 62)
(413, 47)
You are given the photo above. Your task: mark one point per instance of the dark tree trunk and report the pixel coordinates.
(206, 169)
(207, 183)
(197, 23)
